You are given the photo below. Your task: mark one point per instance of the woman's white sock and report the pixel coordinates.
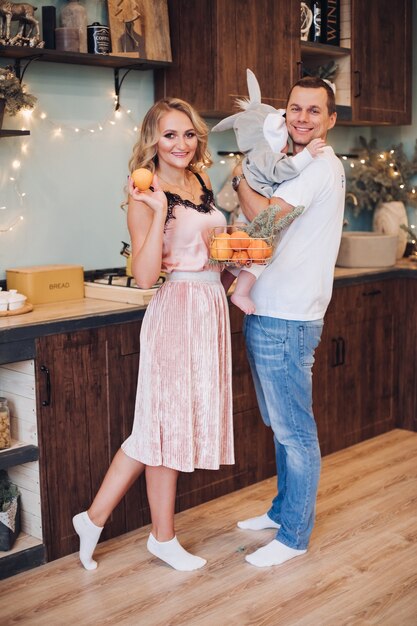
(89, 535)
(274, 553)
(174, 554)
(258, 523)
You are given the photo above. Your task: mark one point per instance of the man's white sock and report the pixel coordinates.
(274, 553)
(174, 554)
(258, 523)
(89, 535)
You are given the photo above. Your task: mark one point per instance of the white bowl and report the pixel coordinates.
(16, 301)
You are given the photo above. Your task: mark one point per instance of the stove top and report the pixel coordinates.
(116, 278)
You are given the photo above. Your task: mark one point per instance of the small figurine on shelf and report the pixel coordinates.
(28, 33)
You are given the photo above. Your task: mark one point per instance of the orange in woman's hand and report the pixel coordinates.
(142, 178)
(259, 250)
(239, 239)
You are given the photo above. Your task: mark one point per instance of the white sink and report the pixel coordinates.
(367, 249)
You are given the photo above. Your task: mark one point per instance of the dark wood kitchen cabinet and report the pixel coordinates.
(407, 359)
(86, 383)
(214, 41)
(381, 61)
(356, 374)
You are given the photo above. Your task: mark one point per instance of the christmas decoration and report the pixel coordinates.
(380, 176)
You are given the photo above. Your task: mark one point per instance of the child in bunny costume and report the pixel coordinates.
(262, 136)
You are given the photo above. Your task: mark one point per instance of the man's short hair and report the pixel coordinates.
(313, 82)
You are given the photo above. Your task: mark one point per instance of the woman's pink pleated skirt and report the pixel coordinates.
(183, 412)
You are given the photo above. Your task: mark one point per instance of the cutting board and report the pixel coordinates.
(115, 293)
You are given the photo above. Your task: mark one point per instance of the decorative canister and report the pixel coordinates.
(98, 38)
(5, 437)
(74, 15)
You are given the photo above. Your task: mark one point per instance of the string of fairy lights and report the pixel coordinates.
(59, 130)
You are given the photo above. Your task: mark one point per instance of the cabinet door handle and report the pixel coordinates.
(358, 76)
(373, 292)
(338, 351)
(45, 370)
(299, 70)
(335, 353)
(341, 350)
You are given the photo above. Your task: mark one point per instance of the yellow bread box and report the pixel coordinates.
(47, 283)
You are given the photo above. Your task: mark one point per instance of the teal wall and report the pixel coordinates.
(74, 183)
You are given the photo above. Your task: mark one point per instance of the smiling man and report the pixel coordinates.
(291, 297)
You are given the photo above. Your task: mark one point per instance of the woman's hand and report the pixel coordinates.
(156, 200)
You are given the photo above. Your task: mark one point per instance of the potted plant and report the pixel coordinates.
(381, 181)
(9, 512)
(13, 96)
(326, 72)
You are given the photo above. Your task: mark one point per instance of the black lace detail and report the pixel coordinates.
(206, 204)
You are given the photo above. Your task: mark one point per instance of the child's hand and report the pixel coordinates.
(316, 146)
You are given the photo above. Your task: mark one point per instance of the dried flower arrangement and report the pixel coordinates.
(13, 93)
(380, 176)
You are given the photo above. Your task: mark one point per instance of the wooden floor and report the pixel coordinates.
(361, 567)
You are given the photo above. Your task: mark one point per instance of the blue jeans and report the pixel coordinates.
(281, 356)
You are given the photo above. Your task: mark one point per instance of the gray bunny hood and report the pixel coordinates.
(256, 122)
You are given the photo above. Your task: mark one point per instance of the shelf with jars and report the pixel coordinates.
(19, 454)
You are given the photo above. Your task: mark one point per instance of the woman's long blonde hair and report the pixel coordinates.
(145, 150)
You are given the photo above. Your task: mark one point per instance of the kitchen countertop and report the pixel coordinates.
(18, 332)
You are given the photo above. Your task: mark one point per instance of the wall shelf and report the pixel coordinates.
(322, 49)
(14, 133)
(17, 454)
(24, 53)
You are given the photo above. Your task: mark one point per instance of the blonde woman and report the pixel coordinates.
(183, 413)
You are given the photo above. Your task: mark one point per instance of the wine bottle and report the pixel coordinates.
(315, 30)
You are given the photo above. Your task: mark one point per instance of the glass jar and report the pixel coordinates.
(74, 15)
(5, 437)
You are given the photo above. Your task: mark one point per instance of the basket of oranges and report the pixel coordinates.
(233, 246)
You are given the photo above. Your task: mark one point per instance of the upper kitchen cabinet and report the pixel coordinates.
(381, 61)
(214, 41)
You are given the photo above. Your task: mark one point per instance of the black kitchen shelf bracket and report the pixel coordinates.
(118, 84)
(17, 66)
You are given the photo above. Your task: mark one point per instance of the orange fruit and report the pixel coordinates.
(239, 239)
(220, 247)
(259, 250)
(240, 257)
(142, 178)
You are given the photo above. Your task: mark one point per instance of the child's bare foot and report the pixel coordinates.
(244, 303)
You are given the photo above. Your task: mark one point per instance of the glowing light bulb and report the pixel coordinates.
(43, 116)
(16, 164)
(27, 113)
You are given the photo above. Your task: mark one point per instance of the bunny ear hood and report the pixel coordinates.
(252, 103)
(256, 121)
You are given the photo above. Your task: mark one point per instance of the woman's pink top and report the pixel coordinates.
(187, 230)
